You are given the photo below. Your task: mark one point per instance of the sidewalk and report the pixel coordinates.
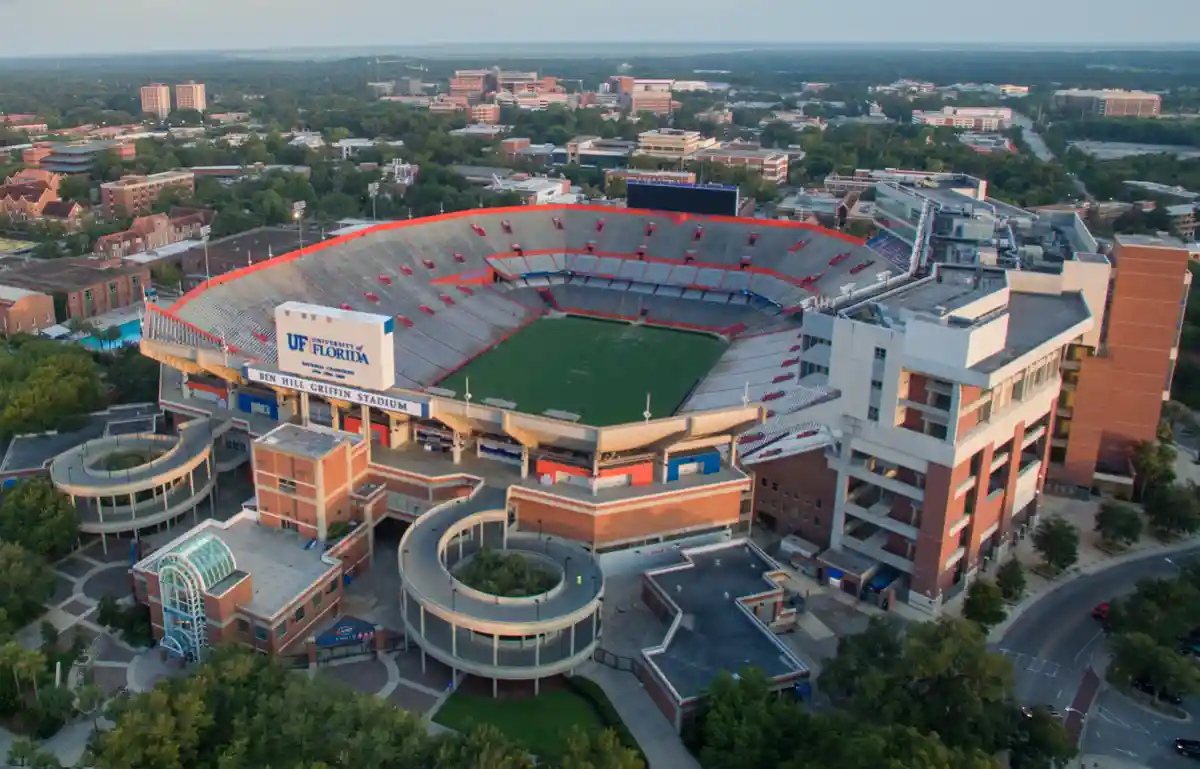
(655, 735)
(1081, 513)
(1094, 761)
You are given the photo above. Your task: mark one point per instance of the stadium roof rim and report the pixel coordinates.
(674, 216)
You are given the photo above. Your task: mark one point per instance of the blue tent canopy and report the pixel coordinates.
(348, 630)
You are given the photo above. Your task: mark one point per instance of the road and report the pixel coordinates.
(1038, 146)
(1056, 640)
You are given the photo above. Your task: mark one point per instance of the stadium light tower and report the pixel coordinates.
(646, 413)
(298, 214)
(204, 232)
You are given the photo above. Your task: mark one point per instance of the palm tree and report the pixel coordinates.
(30, 664)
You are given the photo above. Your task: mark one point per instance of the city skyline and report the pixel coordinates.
(273, 24)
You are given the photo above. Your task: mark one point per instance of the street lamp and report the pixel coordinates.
(298, 214)
(373, 191)
(204, 233)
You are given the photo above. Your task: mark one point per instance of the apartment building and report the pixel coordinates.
(929, 451)
(135, 194)
(672, 143)
(1108, 103)
(653, 96)
(488, 114)
(191, 95)
(970, 118)
(772, 165)
(156, 100)
(81, 288)
(74, 157)
(1114, 385)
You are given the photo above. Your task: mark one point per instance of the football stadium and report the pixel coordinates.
(569, 383)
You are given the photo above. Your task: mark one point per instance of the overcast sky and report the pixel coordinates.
(45, 27)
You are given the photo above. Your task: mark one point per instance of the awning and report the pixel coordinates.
(348, 630)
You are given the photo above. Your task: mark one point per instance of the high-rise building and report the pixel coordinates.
(1108, 103)
(191, 95)
(156, 100)
(971, 118)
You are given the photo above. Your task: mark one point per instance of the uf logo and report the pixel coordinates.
(297, 342)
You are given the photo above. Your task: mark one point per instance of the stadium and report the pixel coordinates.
(583, 377)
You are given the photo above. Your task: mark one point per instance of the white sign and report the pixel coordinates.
(337, 392)
(351, 348)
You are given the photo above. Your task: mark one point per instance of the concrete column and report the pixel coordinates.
(365, 416)
(335, 417)
(495, 689)
(595, 625)
(524, 462)
(304, 408)
(572, 639)
(104, 542)
(404, 609)
(166, 503)
(495, 653)
(422, 638)
(100, 509)
(454, 639)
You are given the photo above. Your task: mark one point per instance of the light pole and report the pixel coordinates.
(204, 233)
(298, 214)
(373, 191)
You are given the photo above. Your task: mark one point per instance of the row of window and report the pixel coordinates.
(263, 633)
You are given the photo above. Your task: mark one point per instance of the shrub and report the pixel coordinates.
(591, 691)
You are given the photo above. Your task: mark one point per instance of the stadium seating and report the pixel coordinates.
(635, 263)
(896, 251)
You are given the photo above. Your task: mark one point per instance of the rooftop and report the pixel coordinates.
(715, 634)
(65, 275)
(312, 441)
(1160, 241)
(133, 180)
(26, 453)
(279, 565)
(1033, 320)
(738, 152)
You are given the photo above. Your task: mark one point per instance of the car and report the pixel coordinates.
(1145, 687)
(1100, 612)
(1189, 748)
(1027, 711)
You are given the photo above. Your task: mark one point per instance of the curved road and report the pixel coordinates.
(1054, 642)
(1037, 145)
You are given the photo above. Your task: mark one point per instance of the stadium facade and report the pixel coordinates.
(897, 416)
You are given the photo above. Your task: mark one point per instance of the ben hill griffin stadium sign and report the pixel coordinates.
(354, 349)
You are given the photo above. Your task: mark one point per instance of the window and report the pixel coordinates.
(764, 481)
(880, 353)
(260, 633)
(332, 586)
(290, 525)
(872, 413)
(87, 293)
(281, 629)
(317, 599)
(299, 615)
(817, 504)
(243, 626)
(288, 485)
(876, 384)
(112, 289)
(774, 487)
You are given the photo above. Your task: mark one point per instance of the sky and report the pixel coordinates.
(66, 27)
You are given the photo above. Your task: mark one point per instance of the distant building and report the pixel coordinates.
(536, 190)
(136, 194)
(68, 213)
(672, 143)
(594, 152)
(156, 100)
(1108, 103)
(23, 311)
(631, 174)
(653, 96)
(484, 131)
(191, 95)
(469, 83)
(25, 199)
(485, 113)
(716, 115)
(771, 165)
(82, 288)
(986, 143)
(971, 118)
(154, 231)
(74, 157)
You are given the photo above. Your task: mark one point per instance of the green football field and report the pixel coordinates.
(598, 369)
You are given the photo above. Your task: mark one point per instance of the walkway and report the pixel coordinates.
(651, 729)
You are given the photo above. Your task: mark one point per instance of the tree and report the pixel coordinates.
(598, 750)
(89, 700)
(1057, 541)
(1042, 742)
(40, 518)
(1154, 465)
(1172, 511)
(26, 584)
(1010, 578)
(984, 604)
(1138, 657)
(1164, 609)
(1118, 525)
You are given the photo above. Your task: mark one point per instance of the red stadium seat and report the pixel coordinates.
(425, 309)
(260, 336)
(371, 296)
(385, 280)
(796, 348)
(479, 230)
(751, 438)
(698, 233)
(345, 306)
(428, 263)
(404, 268)
(591, 246)
(641, 252)
(446, 300)
(404, 321)
(772, 452)
(689, 257)
(650, 229)
(783, 378)
(506, 225)
(516, 249)
(746, 261)
(861, 266)
(599, 225)
(465, 291)
(790, 361)
(459, 258)
(807, 434)
(799, 245)
(753, 239)
(773, 396)
(558, 225)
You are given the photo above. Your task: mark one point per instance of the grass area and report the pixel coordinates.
(541, 724)
(127, 459)
(598, 369)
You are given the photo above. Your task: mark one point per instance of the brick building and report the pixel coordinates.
(136, 194)
(81, 288)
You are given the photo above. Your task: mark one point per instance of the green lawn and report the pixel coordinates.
(598, 369)
(541, 724)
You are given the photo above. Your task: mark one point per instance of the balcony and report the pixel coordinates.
(1033, 435)
(959, 525)
(873, 471)
(872, 546)
(939, 386)
(879, 514)
(965, 486)
(954, 558)
(998, 460)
